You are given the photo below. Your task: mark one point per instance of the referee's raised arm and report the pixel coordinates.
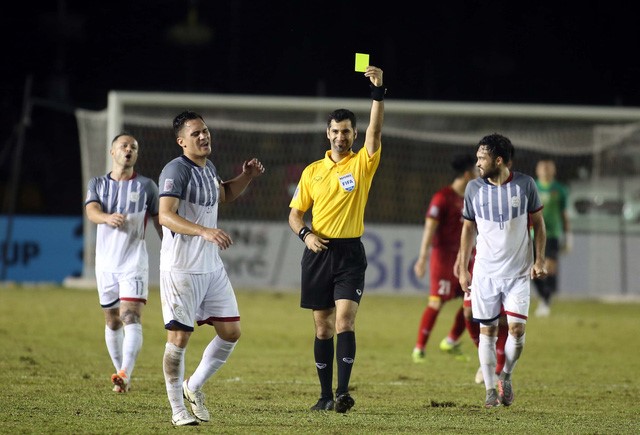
(373, 137)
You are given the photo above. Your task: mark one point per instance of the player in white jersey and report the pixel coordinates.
(498, 207)
(194, 286)
(120, 203)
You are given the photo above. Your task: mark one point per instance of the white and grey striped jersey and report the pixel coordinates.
(503, 248)
(198, 190)
(123, 249)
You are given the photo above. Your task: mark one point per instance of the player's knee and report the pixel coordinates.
(232, 336)
(489, 329)
(231, 333)
(435, 304)
(344, 324)
(112, 318)
(114, 323)
(324, 330)
(130, 317)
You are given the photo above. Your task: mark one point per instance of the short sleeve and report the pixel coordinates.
(533, 199)
(468, 212)
(437, 205)
(152, 198)
(173, 180)
(301, 199)
(92, 194)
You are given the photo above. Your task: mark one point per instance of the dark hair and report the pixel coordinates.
(497, 146)
(462, 163)
(119, 135)
(179, 121)
(341, 115)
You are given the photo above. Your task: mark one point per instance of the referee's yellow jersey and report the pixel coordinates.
(338, 193)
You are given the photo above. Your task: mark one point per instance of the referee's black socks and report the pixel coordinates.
(323, 354)
(345, 356)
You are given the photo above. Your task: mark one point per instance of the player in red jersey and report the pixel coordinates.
(440, 245)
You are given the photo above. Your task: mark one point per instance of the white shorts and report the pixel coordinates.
(188, 298)
(488, 295)
(116, 287)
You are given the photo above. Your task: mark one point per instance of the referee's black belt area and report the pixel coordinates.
(343, 241)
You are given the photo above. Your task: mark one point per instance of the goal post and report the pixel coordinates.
(287, 133)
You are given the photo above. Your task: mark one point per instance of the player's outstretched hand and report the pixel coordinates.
(253, 168)
(375, 75)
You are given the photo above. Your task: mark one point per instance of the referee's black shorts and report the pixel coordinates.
(336, 273)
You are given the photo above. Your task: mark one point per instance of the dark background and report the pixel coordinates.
(480, 51)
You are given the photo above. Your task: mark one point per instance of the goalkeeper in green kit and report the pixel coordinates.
(553, 195)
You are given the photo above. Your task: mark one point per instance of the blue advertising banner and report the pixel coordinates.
(41, 248)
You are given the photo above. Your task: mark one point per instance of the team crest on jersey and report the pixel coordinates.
(347, 182)
(134, 196)
(168, 185)
(515, 201)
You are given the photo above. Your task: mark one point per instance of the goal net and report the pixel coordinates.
(419, 140)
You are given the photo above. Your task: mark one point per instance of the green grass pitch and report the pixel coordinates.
(579, 372)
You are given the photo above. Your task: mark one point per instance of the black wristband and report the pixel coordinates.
(304, 231)
(378, 92)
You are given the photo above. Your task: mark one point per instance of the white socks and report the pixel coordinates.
(114, 341)
(123, 345)
(214, 356)
(512, 351)
(173, 368)
(488, 359)
(131, 346)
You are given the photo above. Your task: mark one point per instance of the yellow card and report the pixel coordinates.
(362, 62)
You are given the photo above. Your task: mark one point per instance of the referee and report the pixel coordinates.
(334, 261)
